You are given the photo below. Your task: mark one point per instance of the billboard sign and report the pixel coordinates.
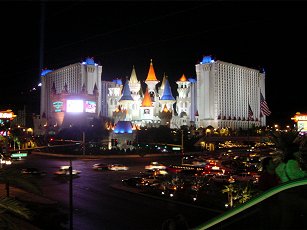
(8, 114)
(301, 120)
(58, 106)
(74, 106)
(90, 106)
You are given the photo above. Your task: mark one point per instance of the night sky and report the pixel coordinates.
(175, 34)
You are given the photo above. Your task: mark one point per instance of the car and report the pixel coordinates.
(117, 167)
(155, 165)
(100, 166)
(135, 182)
(64, 170)
(32, 171)
(221, 178)
(246, 177)
(5, 160)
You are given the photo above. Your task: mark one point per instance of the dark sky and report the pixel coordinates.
(175, 34)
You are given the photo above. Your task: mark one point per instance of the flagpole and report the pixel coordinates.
(248, 132)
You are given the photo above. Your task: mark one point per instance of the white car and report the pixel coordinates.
(100, 166)
(64, 170)
(155, 166)
(5, 160)
(117, 167)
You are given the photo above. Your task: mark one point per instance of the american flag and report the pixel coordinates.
(250, 112)
(264, 108)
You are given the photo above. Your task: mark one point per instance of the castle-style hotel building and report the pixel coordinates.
(220, 96)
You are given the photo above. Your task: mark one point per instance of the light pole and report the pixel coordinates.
(181, 147)
(182, 152)
(70, 197)
(83, 142)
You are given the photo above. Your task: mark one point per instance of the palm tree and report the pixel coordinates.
(10, 205)
(12, 177)
(286, 143)
(230, 189)
(245, 194)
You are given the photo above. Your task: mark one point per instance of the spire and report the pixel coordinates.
(133, 78)
(126, 93)
(167, 93)
(183, 78)
(147, 102)
(163, 82)
(165, 109)
(151, 73)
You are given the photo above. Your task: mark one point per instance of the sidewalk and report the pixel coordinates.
(25, 196)
(22, 195)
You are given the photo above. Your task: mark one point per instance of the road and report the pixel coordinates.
(97, 205)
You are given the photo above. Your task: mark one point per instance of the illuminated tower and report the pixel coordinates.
(167, 98)
(224, 92)
(151, 82)
(76, 76)
(114, 94)
(135, 88)
(146, 109)
(126, 101)
(184, 98)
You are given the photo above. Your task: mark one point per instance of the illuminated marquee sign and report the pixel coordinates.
(7, 115)
(301, 122)
(74, 106)
(300, 118)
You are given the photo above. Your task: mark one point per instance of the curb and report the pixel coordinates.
(100, 156)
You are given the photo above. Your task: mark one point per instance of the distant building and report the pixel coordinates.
(224, 93)
(71, 94)
(220, 96)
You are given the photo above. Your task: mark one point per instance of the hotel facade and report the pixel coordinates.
(220, 96)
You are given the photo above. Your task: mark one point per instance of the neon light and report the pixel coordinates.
(6, 115)
(44, 72)
(300, 118)
(265, 195)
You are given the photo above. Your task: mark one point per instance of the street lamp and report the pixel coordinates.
(83, 142)
(181, 146)
(70, 196)
(182, 152)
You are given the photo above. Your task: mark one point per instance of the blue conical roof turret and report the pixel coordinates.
(126, 93)
(167, 93)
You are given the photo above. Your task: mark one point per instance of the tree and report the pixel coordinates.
(9, 205)
(237, 193)
(230, 190)
(12, 177)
